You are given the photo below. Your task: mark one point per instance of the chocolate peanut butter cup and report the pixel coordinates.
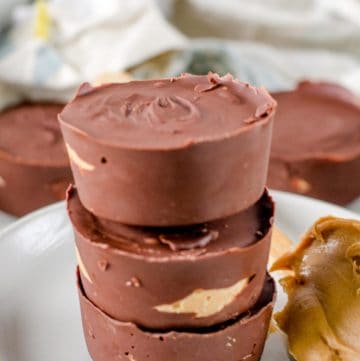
(237, 339)
(182, 277)
(169, 152)
(316, 143)
(34, 166)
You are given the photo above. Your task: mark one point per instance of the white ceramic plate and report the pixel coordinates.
(39, 311)
(6, 219)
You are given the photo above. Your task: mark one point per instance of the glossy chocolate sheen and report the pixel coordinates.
(34, 166)
(169, 152)
(130, 272)
(239, 339)
(316, 143)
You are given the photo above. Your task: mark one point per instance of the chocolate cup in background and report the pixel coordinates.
(330, 174)
(329, 180)
(242, 338)
(34, 167)
(26, 187)
(165, 278)
(199, 181)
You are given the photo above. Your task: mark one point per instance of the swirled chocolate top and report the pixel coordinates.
(168, 113)
(30, 133)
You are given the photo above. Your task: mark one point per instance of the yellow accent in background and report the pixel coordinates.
(42, 20)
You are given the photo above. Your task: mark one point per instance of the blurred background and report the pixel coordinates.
(48, 47)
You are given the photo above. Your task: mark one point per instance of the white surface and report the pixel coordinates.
(39, 311)
(6, 219)
(82, 40)
(355, 206)
(7, 7)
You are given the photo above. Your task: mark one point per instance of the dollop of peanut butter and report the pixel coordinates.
(322, 316)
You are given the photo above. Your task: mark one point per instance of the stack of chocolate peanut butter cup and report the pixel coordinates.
(171, 217)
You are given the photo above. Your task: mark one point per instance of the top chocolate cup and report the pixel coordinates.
(316, 142)
(169, 152)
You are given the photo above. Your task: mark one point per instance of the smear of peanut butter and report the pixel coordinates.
(322, 316)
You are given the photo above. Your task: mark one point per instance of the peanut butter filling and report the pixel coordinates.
(205, 303)
(76, 159)
(322, 317)
(82, 268)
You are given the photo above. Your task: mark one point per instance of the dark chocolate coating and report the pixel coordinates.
(238, 339)
(316, 143)
(131, 270)
(169, 152)
(34, 166)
